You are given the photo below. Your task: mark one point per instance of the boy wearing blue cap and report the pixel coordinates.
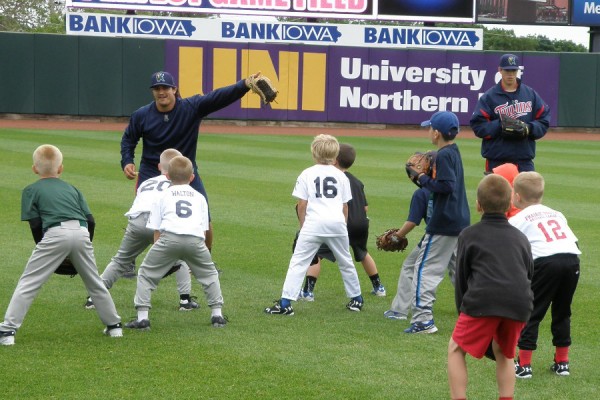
(514, 99)
(450, 215)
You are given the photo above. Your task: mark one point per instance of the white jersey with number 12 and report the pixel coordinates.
(547, 231)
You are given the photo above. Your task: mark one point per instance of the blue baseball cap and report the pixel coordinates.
(445, 122)
(509, 62)
(162, 78)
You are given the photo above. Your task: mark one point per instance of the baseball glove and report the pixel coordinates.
(173, 269)
(390, 241)
(417, 164)
(262, 86)
(513, 129)
(66, 268)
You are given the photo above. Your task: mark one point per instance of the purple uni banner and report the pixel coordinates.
(347, 84)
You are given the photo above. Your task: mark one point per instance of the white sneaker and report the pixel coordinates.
(391, 314)
(114, 330)
(379, 291)
(7, 338)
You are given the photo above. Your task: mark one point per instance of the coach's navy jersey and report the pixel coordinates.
(177, 129)
(524, 104)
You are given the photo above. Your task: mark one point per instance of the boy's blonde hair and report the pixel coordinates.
(494, 194)
(167, 156)
(180, 170)
(325, 149)
(530, 186)
(47, 159)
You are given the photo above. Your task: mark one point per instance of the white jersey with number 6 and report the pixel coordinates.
(326, 189)
(547, 231)
(181, 210)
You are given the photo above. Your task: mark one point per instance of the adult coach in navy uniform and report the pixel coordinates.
(517, 100)
(172, 122)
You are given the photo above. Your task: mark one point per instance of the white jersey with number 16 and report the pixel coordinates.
(326, 189)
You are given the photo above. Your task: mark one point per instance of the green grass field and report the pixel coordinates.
(324, 351)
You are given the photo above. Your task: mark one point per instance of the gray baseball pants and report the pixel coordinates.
(405, 295)
(436, 256)
(163, 254)
(68, 239)
(135, 240)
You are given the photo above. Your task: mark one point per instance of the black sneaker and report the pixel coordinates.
(523, 371)
(143, 325)
(218, 321)
(561, 368)
(188, 305)
(277, 309)
(89, 304)
(7, 338)
(354, 305)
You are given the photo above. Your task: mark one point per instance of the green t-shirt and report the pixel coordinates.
(54, 201)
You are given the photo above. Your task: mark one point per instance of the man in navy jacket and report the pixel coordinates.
(517, 100)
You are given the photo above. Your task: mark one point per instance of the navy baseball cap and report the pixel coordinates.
(162, 78)
(445, 122)
(509, 62)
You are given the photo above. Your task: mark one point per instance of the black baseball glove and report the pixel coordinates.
(513, 129)
(66, 268)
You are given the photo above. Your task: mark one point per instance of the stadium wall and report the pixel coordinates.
(108, 77)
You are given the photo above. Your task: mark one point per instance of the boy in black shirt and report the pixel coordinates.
(493, 290)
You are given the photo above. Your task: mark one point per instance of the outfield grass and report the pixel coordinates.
(324, 351)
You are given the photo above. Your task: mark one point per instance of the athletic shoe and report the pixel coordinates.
(389, 314)
(422, 327)
(355, 305)
(561, 368)
(7, 338)
(379, 291)
(188, 305)
(306, 296)
(218, 321)
(130, 272)
(143, 325)
(89, 304)
(523, 371)
(114, 330)
(277, 309)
